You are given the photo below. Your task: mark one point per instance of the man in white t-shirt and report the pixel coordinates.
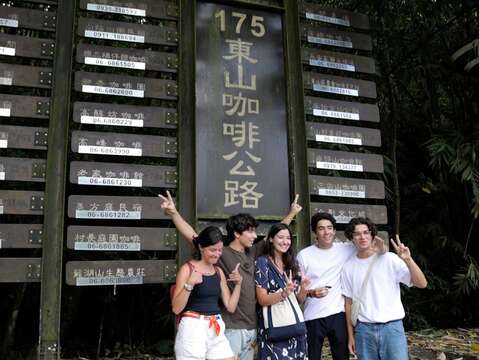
(379, 332)
(324, 305)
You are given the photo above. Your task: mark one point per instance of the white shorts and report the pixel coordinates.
(195, 340)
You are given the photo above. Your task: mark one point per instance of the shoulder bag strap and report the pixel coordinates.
(366, 278)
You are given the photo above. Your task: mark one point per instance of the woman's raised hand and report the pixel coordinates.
(168, 205)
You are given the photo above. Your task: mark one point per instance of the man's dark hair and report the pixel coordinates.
(239, 223)
(316, 218)
(348, 232)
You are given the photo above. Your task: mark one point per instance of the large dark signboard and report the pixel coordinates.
(241, 135)
(24, 106)
(21, 236)
(13, 17)
(20, 169)
(343, 213)
(14, 270)
(16, 45)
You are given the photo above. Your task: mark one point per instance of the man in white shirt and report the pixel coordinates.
(324, 305)
(379, 332)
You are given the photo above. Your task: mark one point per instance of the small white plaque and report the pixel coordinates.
(105, 214)
(102, 120)
(332, 65)
(338, 166)
(109, 280)
(328, 19)
(114, 36)
(342, 193)
(103, 181)
(1, 209)
(6, 81)
(1, 243)
(4, 143)
(8, 22)
(115, 63)
(342, 219)
(105, 90)
(116, 9)
(109, 150)
(331, 42)
(83, 245)
(339, 139)
(335, 90)
(5, 112)
(2, 175)
(336, 114)
(7, 51)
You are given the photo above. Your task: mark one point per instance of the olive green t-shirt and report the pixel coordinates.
(245, 316)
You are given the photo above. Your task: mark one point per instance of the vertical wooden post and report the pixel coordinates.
(296, 119)
(51, 285)
(186, 125)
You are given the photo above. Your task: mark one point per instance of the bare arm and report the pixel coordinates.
(303, 289)
(348, 302)
(293, 211)
(230, 300)
(185, 229)
(181, 295)
(418, 278)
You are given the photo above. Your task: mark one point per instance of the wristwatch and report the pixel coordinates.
(188, 287)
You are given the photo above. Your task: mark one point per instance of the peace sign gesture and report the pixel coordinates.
(401, 250)
(289, 284)
(168, 205)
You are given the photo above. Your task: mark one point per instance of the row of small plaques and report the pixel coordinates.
(92, 273)
(160, 9)
(92, 238)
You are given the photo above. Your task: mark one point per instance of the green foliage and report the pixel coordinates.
(467, 280)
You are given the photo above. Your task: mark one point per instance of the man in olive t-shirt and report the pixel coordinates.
(241, 228)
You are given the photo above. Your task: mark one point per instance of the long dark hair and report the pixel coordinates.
(210, 235)
(289, 258)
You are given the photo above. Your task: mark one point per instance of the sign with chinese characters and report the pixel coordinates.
(22, 75)
(241, 133)
(24, 106)
(161, 9)
(23, 137)
(343, 213)
(122, 175)
(20, 169)
(125, 86)
(115, 207)
(343, 110)
(14, 17)
(339, 85)
(345, 161)
(115, 144)
(21, 202)
(126, 58)
(320, 13)
(120, 272)
(112, 238)
(329, 36)
(127, 32)
(124, 115)
(30, 47)
(16, 270)
(346, 187)
(21, 236)
(338, 61)
(338, 134)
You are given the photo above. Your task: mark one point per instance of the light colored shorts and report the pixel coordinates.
(196, 340)
(242, 342)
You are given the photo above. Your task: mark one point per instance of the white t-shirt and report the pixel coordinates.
(323, 267)
(382, 295)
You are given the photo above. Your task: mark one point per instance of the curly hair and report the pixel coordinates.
(348, 232)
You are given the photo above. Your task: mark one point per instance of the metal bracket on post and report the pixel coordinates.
(48, 351)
